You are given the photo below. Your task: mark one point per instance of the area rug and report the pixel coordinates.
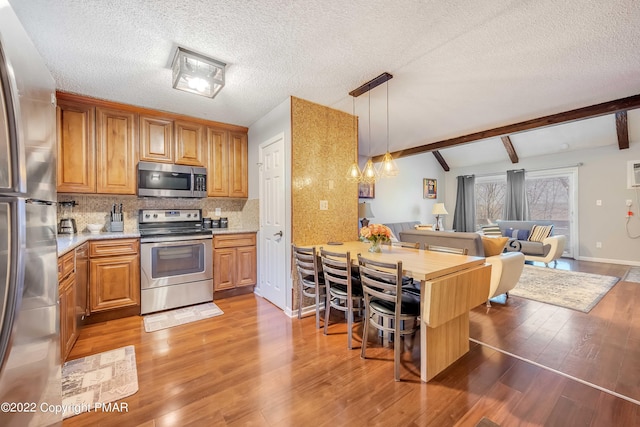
(570, 289)
(93, 382)
(633, 275)
(180, 316)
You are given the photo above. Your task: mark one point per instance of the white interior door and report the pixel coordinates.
(272, 221)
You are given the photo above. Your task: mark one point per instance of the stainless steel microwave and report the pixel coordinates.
(166, 180)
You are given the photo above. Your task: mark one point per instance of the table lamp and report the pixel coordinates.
(364, 210)
(438, 210)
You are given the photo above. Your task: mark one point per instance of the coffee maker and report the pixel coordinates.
(67, 224)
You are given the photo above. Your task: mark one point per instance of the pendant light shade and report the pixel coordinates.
(353, 173)
(388, 167)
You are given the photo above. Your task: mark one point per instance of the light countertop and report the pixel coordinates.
(67, 242)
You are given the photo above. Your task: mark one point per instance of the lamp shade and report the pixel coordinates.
(197, 73)
(439, 209)
(364, 210)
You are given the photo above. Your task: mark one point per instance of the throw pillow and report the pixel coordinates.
(540, 232)
(493, 245)
(517, 234)
(423, 227)
(491, 230)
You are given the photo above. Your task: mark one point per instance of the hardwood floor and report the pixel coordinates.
(254, 366)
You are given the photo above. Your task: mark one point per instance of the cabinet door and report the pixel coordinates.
(190, 144)
(114, 282)
(238, 173)
(224, 269)
(246, 263)
(156, 140)
(76, 148)
(116, 151)
(218, 170)
(68, 325)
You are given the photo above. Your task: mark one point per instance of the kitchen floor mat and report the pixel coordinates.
(180, 316)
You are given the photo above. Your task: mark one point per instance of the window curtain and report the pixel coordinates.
(464, 217)
(515, 201)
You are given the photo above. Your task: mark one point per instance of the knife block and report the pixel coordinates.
(117, 226)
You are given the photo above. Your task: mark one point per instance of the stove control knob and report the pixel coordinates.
(147, 216)
(188, 215)
(155, 215)
(195, 215)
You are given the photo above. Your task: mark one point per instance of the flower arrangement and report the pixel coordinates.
(376, 233)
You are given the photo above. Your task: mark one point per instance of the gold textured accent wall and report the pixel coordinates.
(323, 146)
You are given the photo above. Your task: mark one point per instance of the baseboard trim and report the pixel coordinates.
(609, 261)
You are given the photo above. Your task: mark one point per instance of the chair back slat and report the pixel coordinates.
(459, 251)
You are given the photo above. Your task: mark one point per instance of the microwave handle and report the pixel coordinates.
(193, 177)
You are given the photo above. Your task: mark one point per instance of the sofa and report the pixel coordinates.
(506, 267)
(548, 250)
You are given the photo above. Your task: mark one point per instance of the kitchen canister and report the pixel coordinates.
(224, 222)
(206, 222)
(215, 223)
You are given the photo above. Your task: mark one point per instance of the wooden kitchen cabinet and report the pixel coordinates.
(116, 151)
(238, 160)
(190, 144)
(227, 173)
(218, 168)
(234, 261)
(76, 148)
(67, 303)
(156, 139)
(114, 275)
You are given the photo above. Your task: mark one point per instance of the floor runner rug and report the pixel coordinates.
(180, 316)
(570, 289)
(92, 383)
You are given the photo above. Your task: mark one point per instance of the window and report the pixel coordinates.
(490, 192)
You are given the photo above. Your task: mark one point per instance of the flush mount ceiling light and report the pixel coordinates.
(196, 73)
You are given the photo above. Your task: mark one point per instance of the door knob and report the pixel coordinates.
(279, 234)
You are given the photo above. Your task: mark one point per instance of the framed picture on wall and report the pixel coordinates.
(429, 188)
(366, 190)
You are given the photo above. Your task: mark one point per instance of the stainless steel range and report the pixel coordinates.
(175, 259)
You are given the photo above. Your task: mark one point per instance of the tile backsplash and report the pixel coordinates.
(95, 209)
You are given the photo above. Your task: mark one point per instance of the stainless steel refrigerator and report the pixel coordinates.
(30, 385)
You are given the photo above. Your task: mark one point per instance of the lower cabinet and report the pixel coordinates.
(234, 261)
(114, 274)
(67, 297)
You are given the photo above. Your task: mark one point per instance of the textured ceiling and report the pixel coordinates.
(459, 66)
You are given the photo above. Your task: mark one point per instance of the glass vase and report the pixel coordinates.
(375, 246)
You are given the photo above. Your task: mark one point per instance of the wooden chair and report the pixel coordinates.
(386, 307)
(310, 278)
(410, 245)
(446, 249)
(343, 290)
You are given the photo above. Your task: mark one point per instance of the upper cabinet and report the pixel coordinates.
(97, 149)
(238, 173)
(227, 173)
(156, 139)
(190, 148)
(76, 148)
(116, 151)
(100, 144)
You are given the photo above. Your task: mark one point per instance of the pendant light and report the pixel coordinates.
(354, 174)
(388, 167)
(369, 173)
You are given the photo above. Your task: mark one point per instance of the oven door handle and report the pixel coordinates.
(184, 239)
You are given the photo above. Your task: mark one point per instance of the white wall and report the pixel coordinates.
(273, 123)
(601, 177)
(400, 198)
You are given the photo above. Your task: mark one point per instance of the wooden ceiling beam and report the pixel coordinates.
(441, 160)
(597, 110)
(622, 128)
(508, 145)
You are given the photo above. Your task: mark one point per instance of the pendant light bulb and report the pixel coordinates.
(388, 167)
(353, 173)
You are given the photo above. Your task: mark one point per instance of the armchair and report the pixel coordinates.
(506, 269)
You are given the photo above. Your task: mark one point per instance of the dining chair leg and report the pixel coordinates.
(349, 314)
(317, 309)
(300, 301)
(365, 333)
(327, 309)
(397, 353)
